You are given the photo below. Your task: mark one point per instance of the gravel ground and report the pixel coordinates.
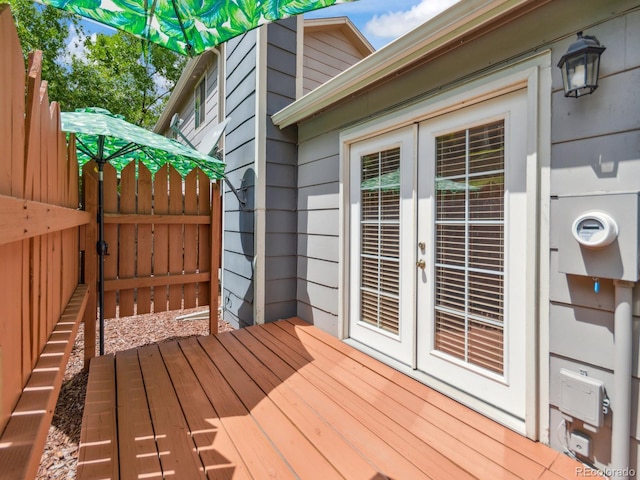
(60, 457)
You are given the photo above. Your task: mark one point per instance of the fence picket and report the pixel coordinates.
(143, 259)
(190, 236)
(160, 237)
(90, 204)
(176, 246)
(111, 237)
(204, 235)
(127, 237)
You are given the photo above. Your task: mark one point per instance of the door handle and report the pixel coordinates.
(421, 264)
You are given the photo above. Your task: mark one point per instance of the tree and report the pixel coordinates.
(125, 75)
(45, 28)
(118, 72)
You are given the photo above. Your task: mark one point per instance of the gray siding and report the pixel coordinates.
(318, 230)
(186, 109)
(595, 147)
(280, 217)
(238, 253)
(601, 155)
(326, 54)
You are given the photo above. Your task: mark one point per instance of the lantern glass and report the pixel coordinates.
(580, 66)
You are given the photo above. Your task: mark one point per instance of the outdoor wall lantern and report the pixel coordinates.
(580, 66)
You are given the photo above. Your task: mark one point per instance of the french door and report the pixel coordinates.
(382, 279)
(438, 249)
(472, 218)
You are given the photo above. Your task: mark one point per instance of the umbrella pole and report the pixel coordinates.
(102, 245)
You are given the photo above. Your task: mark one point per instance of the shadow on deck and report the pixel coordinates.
(285, 400)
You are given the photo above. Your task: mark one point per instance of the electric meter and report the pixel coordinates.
(595, 229)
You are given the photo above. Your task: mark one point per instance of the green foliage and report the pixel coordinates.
(125, 75)
(201, 23)
(45, 28)
(118, 72)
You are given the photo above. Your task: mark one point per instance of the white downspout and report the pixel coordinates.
(622, 364)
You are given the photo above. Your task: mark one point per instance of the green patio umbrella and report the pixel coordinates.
(104, 137)
(125, 141)
(188, 26)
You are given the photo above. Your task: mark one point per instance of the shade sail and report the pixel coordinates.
(124, 141)
(188, 26)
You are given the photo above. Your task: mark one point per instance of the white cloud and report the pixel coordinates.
(75, 45)
(391, 25)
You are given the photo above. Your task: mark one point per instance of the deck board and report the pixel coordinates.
(286, 400)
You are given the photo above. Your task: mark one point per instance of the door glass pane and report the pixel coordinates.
(380, 240)
(469, 231)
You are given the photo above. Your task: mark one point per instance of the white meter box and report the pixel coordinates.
(597, 235)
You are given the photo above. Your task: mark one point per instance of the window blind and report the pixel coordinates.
(469, 243)
(380, 240)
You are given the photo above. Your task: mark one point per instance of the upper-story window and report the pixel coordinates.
(200, 96)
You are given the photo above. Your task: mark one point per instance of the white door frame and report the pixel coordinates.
(534, 74)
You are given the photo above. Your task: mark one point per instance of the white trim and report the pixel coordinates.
(260, 176)
(543, 120)
(534, 74)
(532, 262)
(446, 29)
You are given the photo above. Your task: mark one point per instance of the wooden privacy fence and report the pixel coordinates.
(161, 235)
(41, 301)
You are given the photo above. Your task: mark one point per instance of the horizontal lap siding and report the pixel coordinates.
(599, 155)
(326, 54)
(318, 232)
(238, 243)
(281, 195)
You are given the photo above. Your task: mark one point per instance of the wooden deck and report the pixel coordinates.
(286, 400)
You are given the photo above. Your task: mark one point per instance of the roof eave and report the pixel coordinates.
(438, 32)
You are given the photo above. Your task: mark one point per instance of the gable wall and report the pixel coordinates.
(326, 54)
(187, 107)
(604, 127)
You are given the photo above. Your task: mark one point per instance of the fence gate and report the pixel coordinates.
(163, 236)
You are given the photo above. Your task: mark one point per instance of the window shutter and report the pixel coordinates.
(469, 281)
(380, 240)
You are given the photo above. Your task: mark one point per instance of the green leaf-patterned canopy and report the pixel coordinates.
(124, 142)
(188, 26)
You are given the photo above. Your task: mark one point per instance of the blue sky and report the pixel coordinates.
(382, 21)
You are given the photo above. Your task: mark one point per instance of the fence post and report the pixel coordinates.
(215, 242)
(90, 204)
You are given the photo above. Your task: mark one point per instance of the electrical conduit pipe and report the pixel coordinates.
(622, 364)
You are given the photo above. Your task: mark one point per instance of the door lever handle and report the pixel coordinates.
(421, 264)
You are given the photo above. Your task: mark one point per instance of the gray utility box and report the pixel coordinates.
(597, 235)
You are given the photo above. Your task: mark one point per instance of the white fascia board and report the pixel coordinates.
(442, 30)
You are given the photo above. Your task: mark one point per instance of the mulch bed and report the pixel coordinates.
(60, 457)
